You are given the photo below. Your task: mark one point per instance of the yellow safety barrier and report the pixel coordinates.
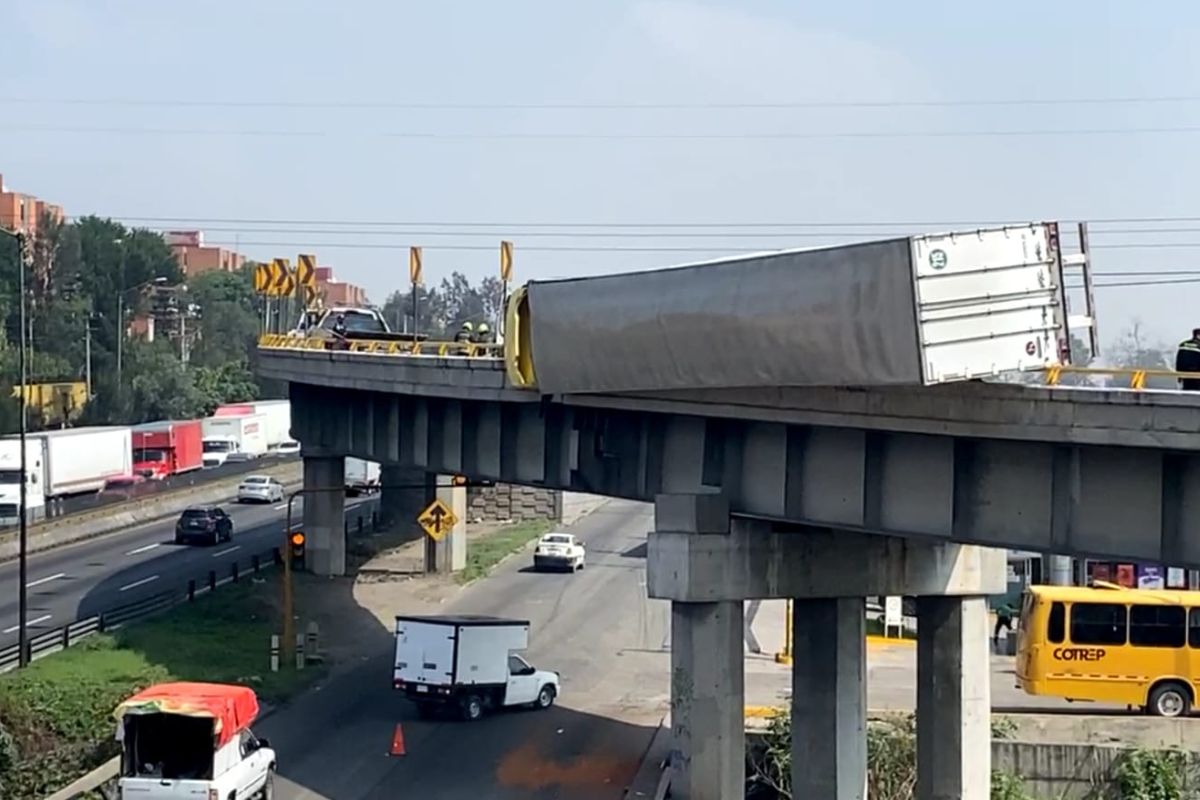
(287, 341)
(1137, 375)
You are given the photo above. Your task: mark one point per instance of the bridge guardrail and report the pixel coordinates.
(438, 349)
(1137, 376)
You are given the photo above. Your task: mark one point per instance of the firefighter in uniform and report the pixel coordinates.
(1187, 359)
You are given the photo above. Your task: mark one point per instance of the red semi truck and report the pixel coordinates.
(163, 449)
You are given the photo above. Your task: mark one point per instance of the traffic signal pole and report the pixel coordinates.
(287, 652)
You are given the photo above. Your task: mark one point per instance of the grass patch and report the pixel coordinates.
(485, 552)
(58, 712)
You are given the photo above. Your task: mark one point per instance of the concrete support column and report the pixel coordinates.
(954, 738)
(707, 667)
(325, 513)
(1056, 570)
(707, 700)
(829, 699)
(450, 554)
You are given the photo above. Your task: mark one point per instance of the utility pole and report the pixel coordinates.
(87, 351)
(23, 535)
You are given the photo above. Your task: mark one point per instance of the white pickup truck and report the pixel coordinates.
(193, 741)
(468, 663)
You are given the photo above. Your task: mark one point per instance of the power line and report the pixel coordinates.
(639, 225)
(603, 106)
(450, 136)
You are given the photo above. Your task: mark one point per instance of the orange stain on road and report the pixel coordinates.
(527, 769)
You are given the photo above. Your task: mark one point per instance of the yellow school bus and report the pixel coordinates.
(1111, 644)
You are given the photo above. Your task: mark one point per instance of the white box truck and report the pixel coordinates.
(909, 311)
(468, 664)
(362, 477)
(81, 460)
(276, 418)
(233, 434)
(10, 482)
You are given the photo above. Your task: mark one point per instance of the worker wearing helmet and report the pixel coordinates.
(466, 333)
(483, 334)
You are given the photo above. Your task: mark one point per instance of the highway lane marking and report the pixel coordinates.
(144, 549)
(46, 579)
(30, 623)
(136, 584)
(227, 551)
(280, 508)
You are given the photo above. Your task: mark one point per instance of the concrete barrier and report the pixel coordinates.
(111, 519)
(1069, 771)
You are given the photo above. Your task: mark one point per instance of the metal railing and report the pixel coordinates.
(58, 639)
(1136, 376)
(437, 349)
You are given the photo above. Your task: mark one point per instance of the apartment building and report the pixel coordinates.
(196, 258)
(24, 212)
(339, 293)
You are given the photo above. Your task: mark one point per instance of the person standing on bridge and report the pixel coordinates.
(1187, 359)
(464, 336)
(483, 335)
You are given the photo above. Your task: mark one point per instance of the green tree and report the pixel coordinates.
(232, 382)
(228, 318)
(158, 385)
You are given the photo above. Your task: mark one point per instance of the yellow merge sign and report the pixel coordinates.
(437, 519)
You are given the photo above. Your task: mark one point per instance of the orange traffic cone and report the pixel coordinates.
(398, 741)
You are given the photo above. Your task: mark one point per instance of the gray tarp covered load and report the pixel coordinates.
(840, 316)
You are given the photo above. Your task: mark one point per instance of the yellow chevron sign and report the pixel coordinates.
(262, 278)
(306, 270)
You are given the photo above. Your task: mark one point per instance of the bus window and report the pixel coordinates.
(1157, 626)
(1056, 628)
(1097, 623)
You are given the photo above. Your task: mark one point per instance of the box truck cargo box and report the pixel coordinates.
(80, 460)
(915, 311)
(163, 449)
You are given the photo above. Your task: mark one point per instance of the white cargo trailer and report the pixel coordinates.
(276, 418)
(916, 310)
(81, 460)
(10, 482)
(234, 434)
(362, 477)
(468, 663)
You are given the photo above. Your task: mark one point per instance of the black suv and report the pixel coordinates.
(206, 524)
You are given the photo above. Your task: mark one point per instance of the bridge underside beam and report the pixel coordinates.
(1136, 503)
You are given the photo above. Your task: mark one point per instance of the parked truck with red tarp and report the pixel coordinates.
(163, 449)
(193, 740)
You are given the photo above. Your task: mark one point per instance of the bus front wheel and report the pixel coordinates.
(1169, 699)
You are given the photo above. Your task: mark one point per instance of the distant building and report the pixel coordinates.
(339, 293)
(24, 212)
(195, 258)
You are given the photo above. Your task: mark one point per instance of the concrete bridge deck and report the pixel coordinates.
(1111, 473)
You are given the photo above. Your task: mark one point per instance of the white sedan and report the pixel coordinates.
(560, 551)
(259, 489)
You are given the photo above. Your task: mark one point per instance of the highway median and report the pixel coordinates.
(93, 523)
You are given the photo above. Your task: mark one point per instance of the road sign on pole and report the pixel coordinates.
(506, 261)
(262, 278)
(306, 279)
(414, 265)
(437, 519)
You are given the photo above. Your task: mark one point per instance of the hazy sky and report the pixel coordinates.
(209, 127)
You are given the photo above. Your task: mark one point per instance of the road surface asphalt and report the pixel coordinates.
(89, 577)
(595, 627)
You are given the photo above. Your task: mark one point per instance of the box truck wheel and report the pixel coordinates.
(472, 707)
(545, 697)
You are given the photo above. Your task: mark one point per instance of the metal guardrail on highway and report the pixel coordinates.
(53, 641)
(436, 349)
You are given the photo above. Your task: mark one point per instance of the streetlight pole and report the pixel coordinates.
(23, 534)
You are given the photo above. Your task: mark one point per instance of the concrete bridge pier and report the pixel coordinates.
(708, 565)
(325, 513)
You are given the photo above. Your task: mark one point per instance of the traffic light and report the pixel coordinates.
(297, 545)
